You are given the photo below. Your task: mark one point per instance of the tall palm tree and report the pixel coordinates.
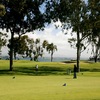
(51, 48)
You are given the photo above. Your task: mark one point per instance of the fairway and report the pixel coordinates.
(24, 83)
(49, 49)
(49, 88)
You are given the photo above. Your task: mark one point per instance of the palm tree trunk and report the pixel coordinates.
(51, 57)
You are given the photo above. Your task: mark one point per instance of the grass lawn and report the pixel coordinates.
(47, 84)
(49, 88)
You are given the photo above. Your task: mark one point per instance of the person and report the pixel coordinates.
(36, 67)
(75, 70)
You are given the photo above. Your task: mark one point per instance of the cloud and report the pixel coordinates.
(57, 37)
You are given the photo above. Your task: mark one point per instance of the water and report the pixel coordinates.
(48, 59)
(58, 59)
(55, 59)
(43, 59)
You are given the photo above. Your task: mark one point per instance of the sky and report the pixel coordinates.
(57, 37)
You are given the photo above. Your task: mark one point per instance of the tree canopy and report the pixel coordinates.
(22, 16)
(81, 17)
(94, 27)
(2, 10)
(51, 48)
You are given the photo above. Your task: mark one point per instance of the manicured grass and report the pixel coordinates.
(49, 88)
(24, 83)
(28, 68)
(22, 67)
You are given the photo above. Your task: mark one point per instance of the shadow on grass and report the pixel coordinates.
(84, 69)
(89, 62)
(90, 70)
(95, 70)
(42, 71)
(69, 61)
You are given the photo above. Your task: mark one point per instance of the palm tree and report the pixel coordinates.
(51, 49)
(45, 43)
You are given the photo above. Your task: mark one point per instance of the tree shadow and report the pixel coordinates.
(42, 71)
(89, 62)
(95, 70)
(66, 62)
(90, 70)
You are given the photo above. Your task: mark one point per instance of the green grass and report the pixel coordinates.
(49, 88)
(23, 67)
(28, 68)
(47, 84)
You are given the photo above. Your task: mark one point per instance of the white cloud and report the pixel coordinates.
(57, 37)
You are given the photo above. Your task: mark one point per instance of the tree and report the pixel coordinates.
(95, 42)
(2, 41)
(97, 47)
(34, 49)
(94, 27)
(83, 45)
(94, 17)
(22, 16)
(28, 47)
(51, 48)
(73, 15)
(20, 46)
(38, 49)
(2, 10)
(77, 18)
(45, 43)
